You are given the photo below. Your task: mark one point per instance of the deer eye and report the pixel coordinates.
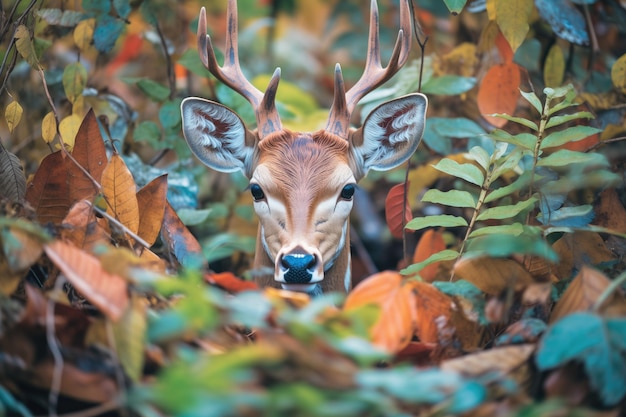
(257, 192)
(347, 192)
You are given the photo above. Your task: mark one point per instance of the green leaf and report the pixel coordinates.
(506, 164)
(506, 212)
(441, 220)
(524, 122)
(169, 114)
(191, 60)
(74, 80)
(517, 185)
(455, 6)
(449, 85)
(596, 342)
(532, 98)
(481, 156)
(469, 172)
(559, 120)
(444, 255)
(514, 229)
(148, 131)
(565, 157)
(452, 198)
(524, 140)
(571, 134)
(502, 246)
(155, 91)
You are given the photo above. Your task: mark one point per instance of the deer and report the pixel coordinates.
(303, 183)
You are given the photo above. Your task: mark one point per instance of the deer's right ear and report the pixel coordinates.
(217, 136)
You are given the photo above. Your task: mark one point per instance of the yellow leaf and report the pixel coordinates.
(49, 127)
(13, 114)
(74, 80)
(512, 18)
(83, 33)
(554, 67)
(119, 189)
(25, 46)
(130, 337)
(618, 74)
(491, 9)
(68, 127)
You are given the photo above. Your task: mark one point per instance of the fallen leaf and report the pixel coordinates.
(493, 275)
(108, 292)
(581, 294)
(396, 324)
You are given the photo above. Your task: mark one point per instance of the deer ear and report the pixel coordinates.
(217, 136)
(390, 134)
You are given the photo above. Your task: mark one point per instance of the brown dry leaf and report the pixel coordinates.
(506, 360)
(179, 240)
(610, 211)
(396, 324)
(90, 153)
(397, 210)
(431, 305)
(120, 193)
(48, 192)
(107, 291)
(81, 226)
(20, 247)
(581, 294)
(493, 275)
(498, 92)
(430, 243)
(151, 200)
(578, 249)
(296, 299)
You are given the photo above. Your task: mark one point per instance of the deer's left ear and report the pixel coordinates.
(389, 135)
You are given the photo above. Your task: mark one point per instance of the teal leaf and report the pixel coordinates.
(155, 91)
(577, 216)
(122, 7)
(106, 33)
(452, 198)
(470, 292)
(449, 85)
(532, 98)
(596, 342)
(441, 220)
(571, 134)
(170, 115)
(565, 157)
(444, 255)
(566, 20)
(507, 212)
(469, 172)
(455, 6)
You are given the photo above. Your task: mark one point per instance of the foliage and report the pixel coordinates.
(510, 298)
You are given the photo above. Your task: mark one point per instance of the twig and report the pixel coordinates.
(171, 76)
(120, 225)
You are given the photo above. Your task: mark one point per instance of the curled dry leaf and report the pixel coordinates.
(397, 210)
(396, 324)
(108, 292)
(179, 240)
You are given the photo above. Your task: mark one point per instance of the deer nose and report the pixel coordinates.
(298, 267)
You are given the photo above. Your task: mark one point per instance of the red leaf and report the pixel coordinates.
(499, 91)
(504, 48)
(397, 209)
(430, 243)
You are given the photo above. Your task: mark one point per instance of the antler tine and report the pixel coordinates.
(230, 73)
(374, 73)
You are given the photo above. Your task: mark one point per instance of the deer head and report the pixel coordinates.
(303, 183)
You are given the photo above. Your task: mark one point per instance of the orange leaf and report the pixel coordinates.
(48, 192)
(81, 226)
(504, 48)
(90, 153)
(107, 291)
(430, 243)
(396, 324)
(499, 91)
(151, 200)
(119, 190)
(397, 210)
(229, 282)
(431, 306)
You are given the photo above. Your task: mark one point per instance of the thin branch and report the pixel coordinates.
(120, 225)
(171, 76)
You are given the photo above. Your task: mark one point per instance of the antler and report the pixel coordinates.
(267, 117)
(374, 73)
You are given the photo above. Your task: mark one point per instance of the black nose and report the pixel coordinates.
(298, 267)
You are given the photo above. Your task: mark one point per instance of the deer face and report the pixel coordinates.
(303, 184)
